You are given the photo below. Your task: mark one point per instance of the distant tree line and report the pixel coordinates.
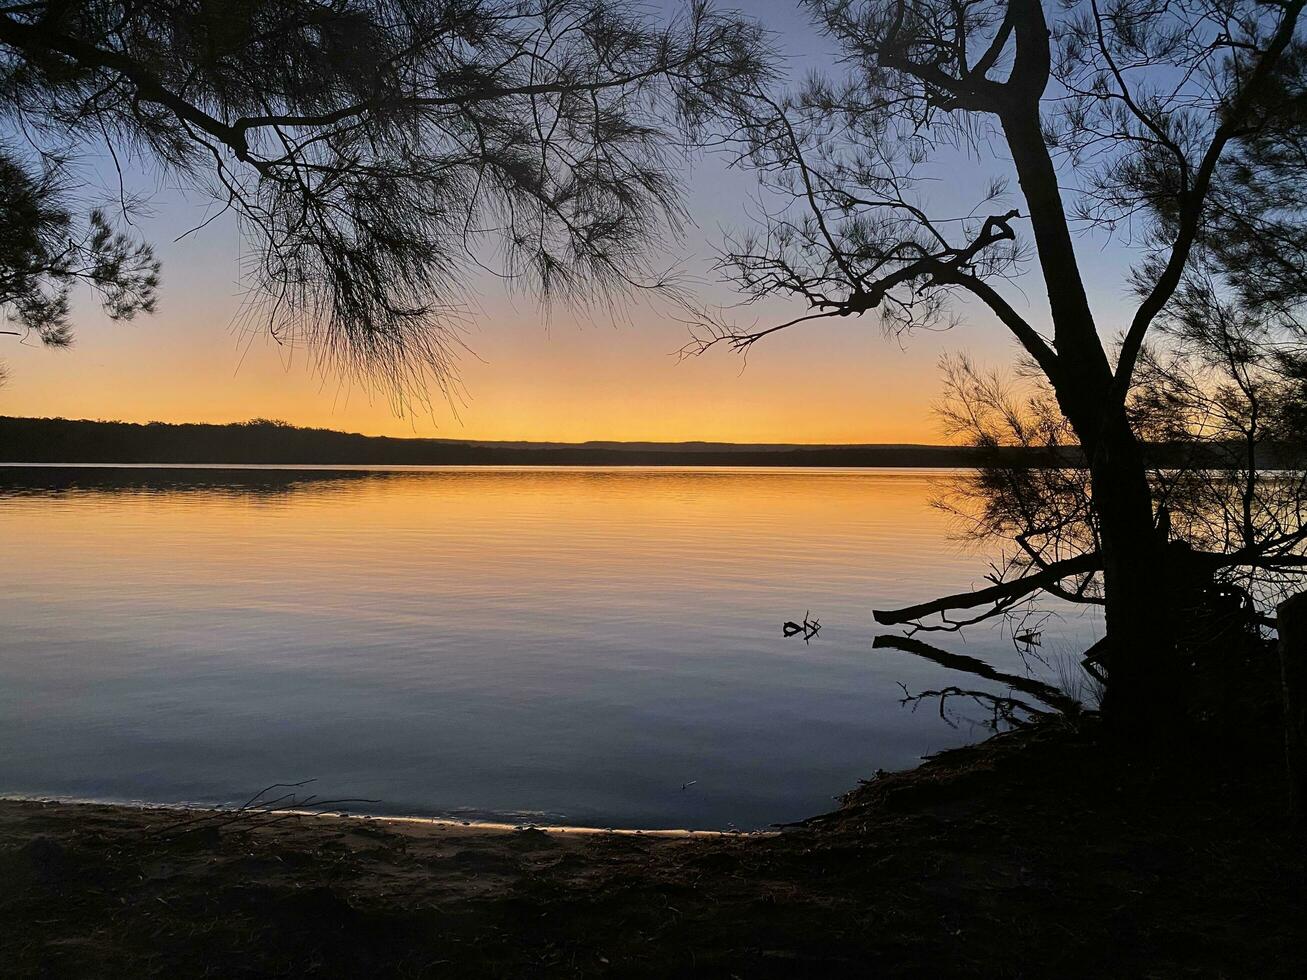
(265, 441)
(270, 441)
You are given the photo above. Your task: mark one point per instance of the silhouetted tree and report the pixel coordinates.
(1181, 124)
(1220, 412)
(44, 251)
(373, 150)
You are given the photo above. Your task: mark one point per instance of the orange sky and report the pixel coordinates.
(565, 379)
(562, 381)
(570, 383)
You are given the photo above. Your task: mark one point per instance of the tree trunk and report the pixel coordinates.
(1142, 699)
(1292, 615)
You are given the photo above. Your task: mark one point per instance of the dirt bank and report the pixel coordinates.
(1030, 855)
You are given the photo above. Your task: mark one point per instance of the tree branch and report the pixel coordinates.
(149, 85)
(1001, 592)
(1192, 206)
(1028, 337)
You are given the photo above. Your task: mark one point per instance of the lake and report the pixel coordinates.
(589, 647)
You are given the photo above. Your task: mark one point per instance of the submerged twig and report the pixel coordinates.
(809, 627)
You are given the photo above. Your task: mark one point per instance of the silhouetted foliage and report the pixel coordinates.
(1178, 127)
(1230, 489)
(374, 151)
(44, 251)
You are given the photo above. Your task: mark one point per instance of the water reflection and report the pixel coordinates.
(586, 646)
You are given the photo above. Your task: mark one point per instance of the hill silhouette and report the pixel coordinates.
(264, 441)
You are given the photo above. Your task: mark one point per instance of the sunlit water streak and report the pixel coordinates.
(567, 646)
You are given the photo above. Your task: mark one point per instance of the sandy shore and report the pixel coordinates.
(1025, 856)
(192, 817)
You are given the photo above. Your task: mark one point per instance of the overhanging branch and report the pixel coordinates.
(1006, 592)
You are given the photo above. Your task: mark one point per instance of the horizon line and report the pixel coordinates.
(709, 444)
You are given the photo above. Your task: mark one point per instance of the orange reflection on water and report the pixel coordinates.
(572, 645)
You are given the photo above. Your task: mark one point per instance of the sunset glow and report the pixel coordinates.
(529, 374)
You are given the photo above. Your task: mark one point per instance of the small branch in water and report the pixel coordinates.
(809, 627)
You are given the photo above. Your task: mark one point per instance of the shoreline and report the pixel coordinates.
(1035, 853)
(488, 826)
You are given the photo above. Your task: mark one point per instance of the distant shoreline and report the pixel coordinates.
(361, 468)
(262, 443)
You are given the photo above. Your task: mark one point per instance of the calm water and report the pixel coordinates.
(552, 645)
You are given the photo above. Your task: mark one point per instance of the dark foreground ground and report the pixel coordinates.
(1031, 855)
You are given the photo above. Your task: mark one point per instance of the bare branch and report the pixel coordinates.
(1002, 591)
